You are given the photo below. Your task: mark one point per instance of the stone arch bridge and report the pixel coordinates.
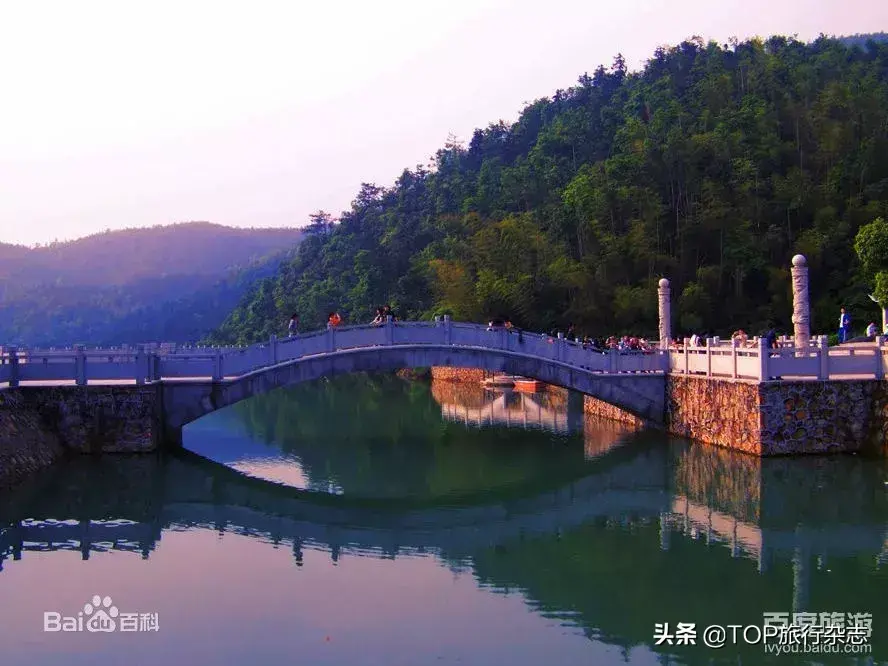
(178, 386)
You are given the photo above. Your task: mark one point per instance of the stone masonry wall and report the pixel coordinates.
(605, 410)
(779, 418)
(26, 444)
(39, 424)
(819, 417)
(99, 419)
(443, 373)
(770, 418)
(722, 412)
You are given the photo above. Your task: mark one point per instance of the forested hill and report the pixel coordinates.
(712, 166)
(175, 282)
(864, 40)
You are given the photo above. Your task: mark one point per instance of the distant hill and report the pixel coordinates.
(171, 283)
(864, 39)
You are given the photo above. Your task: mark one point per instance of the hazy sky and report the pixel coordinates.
(256, 113)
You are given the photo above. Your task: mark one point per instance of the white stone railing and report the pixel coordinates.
(83, 366)
(817, 360)
(720, 359)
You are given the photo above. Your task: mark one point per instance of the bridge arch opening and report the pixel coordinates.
(639, 393)
(378, 437)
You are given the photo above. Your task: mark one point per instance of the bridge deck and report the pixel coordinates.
(50, 367)
(113, 366)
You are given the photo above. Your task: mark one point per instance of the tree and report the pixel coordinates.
(871, 245)
(320, 224)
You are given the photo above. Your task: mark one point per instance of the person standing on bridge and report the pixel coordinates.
(388, 312)
(293, 325)
(844, 326)
(571, 333)
(333, 319)
(511, 328)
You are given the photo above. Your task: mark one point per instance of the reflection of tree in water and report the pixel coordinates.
(615, 583)
(382, 436)
(612, 578)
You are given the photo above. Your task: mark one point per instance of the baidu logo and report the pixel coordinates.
(100, 615)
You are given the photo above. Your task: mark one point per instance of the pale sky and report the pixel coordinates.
(118, 114)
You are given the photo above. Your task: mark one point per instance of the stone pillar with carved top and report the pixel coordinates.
(801, 307)
(665, 308)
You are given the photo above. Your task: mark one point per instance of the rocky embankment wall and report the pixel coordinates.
(26, 444)
(445, 374)
(38, 425)
(770, 418)
(780, 418)
(605, 410)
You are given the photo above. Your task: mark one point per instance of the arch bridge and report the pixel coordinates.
(195, 382)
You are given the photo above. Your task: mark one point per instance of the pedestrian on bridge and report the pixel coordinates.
(844, 326)
(293, 325)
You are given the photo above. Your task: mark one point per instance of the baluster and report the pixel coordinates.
(734, 343)
(880, 372)
(79, 366)
(709, 357)
(217, 366)
(823, 353)
(272, 350)
(13, 367)
(140, 368)
(763, 359)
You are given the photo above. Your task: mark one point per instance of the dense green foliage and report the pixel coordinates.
(871, 246)
(173, 283)
(712, 166)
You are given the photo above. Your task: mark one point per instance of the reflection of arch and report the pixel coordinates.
(194, 492)
(642, 394)
(629, 480)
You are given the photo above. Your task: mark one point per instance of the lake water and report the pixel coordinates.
(416, 524)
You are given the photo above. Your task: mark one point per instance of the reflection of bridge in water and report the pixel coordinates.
(554, 410)
(199, 493)
(633, 484)
(514, 409)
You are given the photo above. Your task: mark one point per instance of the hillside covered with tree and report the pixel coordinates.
(172, 283)
(711, 166)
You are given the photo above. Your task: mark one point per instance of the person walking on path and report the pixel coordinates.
(871, 330)
(293, 325)
(844, 326)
